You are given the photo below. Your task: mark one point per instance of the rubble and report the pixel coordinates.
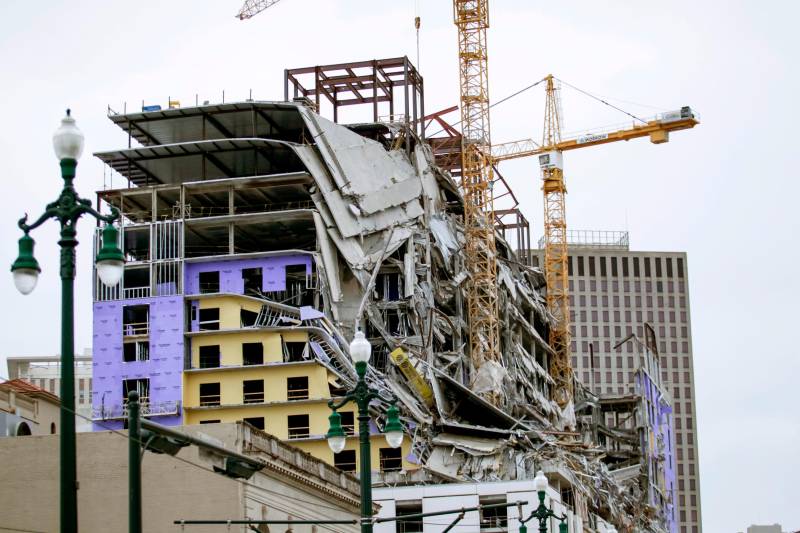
(384, 223)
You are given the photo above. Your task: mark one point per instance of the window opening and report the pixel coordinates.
(298, 426)
(142, 386)
(294, 352)
(253, 391)
(391, 459)
(252, 353)
(209, 394)
(253, 280)
(345, 460)
(494, 518)
(209, 356)
(297, 388)
(216, 421)
(208, 282)
(256, 421)
(247, 318)
(136, 351)
(405, 508)
(208, 319)
(348, 422)
(387, 286)
(135, 320)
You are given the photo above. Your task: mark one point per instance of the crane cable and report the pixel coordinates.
(417, 24)
(509, 97)
(590, 95)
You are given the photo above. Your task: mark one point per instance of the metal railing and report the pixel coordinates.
(135, 328)
(299, 432)
(254, 397)
(120, 411)
(297, 394)
(595, 239)
(210, 399)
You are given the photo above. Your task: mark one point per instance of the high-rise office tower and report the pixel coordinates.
(613, 292)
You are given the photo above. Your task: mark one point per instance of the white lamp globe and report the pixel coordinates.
(394, 438)
(25, 279)
(110, 272)
(336, 444)
(540, 482)
(360, 348)
(68, 139)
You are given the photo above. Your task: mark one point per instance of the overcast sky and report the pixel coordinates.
(725, 192)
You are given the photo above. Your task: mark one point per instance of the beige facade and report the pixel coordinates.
(293, 485)
(27, 410)
(45, 373)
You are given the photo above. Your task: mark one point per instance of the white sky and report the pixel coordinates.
(724, 192)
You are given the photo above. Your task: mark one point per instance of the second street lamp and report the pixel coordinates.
(67, 209)
(362, 395)
(542, 514)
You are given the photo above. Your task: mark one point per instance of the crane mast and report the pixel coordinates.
(555, 246)
(472, 20)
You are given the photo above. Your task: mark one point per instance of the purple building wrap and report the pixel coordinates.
(660, 451)
(230, 272)
(163, 368)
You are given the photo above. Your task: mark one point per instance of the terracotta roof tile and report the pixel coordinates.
(29, 389)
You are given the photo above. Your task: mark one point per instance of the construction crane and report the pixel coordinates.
(252, 8)
(555, 222)
(471, 17)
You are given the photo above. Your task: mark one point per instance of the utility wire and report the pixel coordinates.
(590, 95)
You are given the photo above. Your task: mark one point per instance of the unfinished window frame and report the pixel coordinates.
(295, 390)
(299, 426)
(256, 392)
(210, 398)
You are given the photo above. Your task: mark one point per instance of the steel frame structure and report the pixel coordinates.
(472, 19)
(363, 82)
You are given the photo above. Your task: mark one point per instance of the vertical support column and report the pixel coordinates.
(406, 96)
(134, 465)
(317, 88)
(374, 91)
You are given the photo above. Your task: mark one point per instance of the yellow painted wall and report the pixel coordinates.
(275, 389)
(276, 408)
(276, 423)
(229, 309)
(320, 450)
(230, 346)
(230, 343)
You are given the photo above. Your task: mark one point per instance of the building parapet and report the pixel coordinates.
(612, 240)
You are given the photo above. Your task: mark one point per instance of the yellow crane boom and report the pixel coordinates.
(554, 189)
(657, 128)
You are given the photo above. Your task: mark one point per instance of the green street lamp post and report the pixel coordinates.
(67, 209)
(362, 395)
(542, 514)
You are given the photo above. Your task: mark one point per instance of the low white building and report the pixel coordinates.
(428, 498)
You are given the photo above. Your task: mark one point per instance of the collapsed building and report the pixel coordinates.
(260, 235)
